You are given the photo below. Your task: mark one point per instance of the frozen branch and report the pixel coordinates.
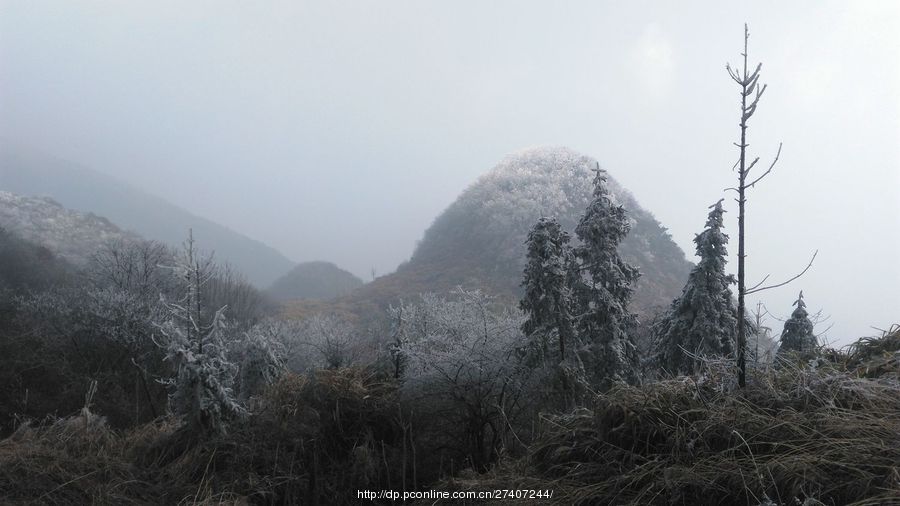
(764, 174)
(811, 260)
(733, 74)
(754, 287)
(752, 164)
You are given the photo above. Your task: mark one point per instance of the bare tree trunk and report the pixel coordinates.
(749, 83)
(742, 179)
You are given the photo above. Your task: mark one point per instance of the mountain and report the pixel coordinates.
(27, 172)
(478, 241)
(314, 280)
(26, 266)
(72, 235)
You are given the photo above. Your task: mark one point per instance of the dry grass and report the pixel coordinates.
(312, 441)
(828, 434)
(876, 357)
(76, 460)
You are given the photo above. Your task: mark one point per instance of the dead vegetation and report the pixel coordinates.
(823, 433)
(311, 440)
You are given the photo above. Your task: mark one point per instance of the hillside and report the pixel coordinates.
(478, 241)
(314, 280)
(25, 266)
(72, 235)
(27, 172)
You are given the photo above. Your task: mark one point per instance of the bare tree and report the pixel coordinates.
(334, 340)
(751, 93)
(763, 344)
(228, 287)
(133, 267)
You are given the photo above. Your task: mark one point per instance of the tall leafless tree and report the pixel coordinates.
(751, 93)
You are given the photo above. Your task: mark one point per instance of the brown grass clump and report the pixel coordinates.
(75, 460)
(828, 434)
(876, 357)
(311, 440)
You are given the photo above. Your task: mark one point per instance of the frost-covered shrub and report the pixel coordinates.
(84, 333)
(260, 353)
(320, 341)
(333, 339)
(463, 371)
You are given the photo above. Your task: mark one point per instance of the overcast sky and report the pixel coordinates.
(339, 130)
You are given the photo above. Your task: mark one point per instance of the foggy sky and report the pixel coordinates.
(339, 130)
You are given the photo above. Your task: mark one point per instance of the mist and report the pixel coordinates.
(339, 130)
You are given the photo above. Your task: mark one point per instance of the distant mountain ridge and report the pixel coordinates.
(479, 240)
(314, 280)
(27, 172)
(72, 235)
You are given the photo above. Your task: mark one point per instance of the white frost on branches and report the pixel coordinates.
(603, 290)
(261, 353)
(194, 341)
(702, 322)
(462, 354)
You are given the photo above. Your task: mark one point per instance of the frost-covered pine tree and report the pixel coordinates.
(798, 336)
(703, 320)
(201, 390)
(603, 290)
(547, 302)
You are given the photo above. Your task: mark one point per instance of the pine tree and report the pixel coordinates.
(702, 321)
(603, 290)
(547, 302)
(201, 390)
(798, 336)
